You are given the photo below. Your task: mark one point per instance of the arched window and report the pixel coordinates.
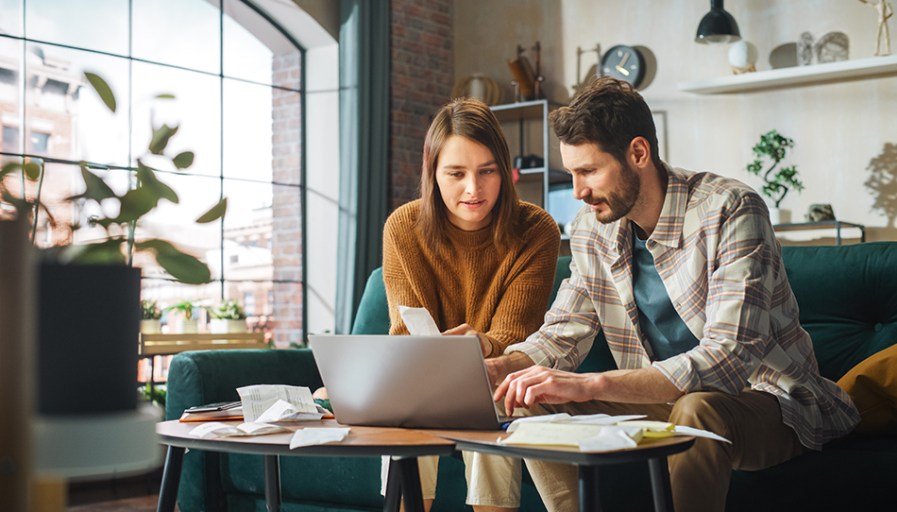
(237, 75)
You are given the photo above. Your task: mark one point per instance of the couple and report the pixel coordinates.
(681, 271)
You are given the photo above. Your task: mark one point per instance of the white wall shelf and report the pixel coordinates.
(856, 69)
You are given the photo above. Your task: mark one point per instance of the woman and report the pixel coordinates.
(476, 257)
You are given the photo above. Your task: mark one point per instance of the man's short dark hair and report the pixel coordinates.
(610, 113)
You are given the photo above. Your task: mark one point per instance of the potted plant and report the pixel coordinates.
(150, 317)
(186, 322)
(773, 146)
(227, 317)
(88, 294)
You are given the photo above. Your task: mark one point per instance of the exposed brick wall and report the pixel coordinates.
(286, 239)
(421, 76)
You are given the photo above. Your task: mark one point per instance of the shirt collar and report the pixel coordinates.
(671, 222)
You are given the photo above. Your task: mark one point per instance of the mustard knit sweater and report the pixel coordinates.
(503, 295)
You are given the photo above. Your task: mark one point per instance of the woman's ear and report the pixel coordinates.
(640, 151)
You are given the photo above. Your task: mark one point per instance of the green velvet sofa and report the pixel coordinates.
(848, 303)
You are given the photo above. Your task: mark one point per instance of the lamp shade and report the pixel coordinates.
(717, 26)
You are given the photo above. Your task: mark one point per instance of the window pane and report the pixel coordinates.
(247, 231)
(175, 222)
(322, 257)
(254, 50)
(11, 14)
(248, 152)
(195, 109)
(100, 25)
(10, 94)
(60, 104)
(179, 32)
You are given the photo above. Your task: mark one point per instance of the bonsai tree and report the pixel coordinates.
(773, 146)
(228, 310)
(120, 223)
(149, 310)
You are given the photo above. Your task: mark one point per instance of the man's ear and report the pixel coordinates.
(640, 152)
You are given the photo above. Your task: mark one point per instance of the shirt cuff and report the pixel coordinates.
(680, 371)
(539, 357)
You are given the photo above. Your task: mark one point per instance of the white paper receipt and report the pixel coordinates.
(418, 321)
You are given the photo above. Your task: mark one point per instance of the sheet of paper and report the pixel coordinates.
(218, 429)
(418, 321)
(259, 398)
(691, 431)
(315, 436)
(555, 434)
(651, 426)
(588, 419)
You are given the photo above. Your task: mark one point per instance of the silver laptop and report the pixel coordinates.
(406, 381)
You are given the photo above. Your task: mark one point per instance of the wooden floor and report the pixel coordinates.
(139, 504)
(133, 494)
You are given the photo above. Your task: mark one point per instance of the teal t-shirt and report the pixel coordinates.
(667, 333)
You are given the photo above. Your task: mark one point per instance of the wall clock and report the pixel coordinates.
(625, 63)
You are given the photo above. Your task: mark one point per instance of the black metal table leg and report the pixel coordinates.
(410, 476)
(588, 489)
(171, 479)
(393, 498)
(272, 483)
(660, 484)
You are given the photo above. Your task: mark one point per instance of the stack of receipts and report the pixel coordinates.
(596, 432)
(264, 405)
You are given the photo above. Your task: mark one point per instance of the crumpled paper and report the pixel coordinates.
(311, 436)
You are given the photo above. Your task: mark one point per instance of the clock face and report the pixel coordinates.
(624, 62)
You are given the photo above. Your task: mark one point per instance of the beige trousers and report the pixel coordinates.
(752, 420)
(491, 480)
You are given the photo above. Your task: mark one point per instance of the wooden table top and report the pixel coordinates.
(361, 441)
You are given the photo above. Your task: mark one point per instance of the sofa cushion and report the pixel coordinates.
(872, 385)
(848, 300)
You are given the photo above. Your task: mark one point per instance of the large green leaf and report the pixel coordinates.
(214, 213)
(95, 187)
(102, 89)
(108, 251)
(183, 160)
(181, 266)
(161, 136)
(148, 179)
(33, 169)
(135, 204)
(10, 168)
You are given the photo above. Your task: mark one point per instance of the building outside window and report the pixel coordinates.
(237, 81)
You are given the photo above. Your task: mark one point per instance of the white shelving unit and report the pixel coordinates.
(856, 69)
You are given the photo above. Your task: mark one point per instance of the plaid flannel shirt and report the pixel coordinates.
(721, 264)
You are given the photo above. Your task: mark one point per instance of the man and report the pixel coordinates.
(684, 275)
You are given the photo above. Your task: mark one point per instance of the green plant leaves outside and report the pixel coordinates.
(214, 213)
(102, 89)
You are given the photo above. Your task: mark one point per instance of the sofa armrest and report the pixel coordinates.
(202, 377)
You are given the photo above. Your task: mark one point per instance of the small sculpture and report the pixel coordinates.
(805, 49)
(832, 47)
(884, 13)
(821, 211)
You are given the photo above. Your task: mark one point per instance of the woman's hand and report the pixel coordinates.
(466, 330)
(320, 394)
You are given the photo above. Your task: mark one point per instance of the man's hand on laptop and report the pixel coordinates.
(539, 384)
(466, 330)
(499, 367)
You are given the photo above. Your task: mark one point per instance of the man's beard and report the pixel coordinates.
(620, 202)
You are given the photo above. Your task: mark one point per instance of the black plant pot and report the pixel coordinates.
(88, 325)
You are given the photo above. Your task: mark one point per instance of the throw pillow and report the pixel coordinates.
(872, 385)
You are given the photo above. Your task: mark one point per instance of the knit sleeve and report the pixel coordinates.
(396, 269)
(523, 304)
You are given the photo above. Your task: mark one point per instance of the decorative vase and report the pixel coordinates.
(220, 325)
(89, 318)
(185, 326)
(150, 326)
(779, 216)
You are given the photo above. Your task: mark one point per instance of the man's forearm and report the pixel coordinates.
(645, 386)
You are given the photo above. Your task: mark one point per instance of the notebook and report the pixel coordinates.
(406, 381)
